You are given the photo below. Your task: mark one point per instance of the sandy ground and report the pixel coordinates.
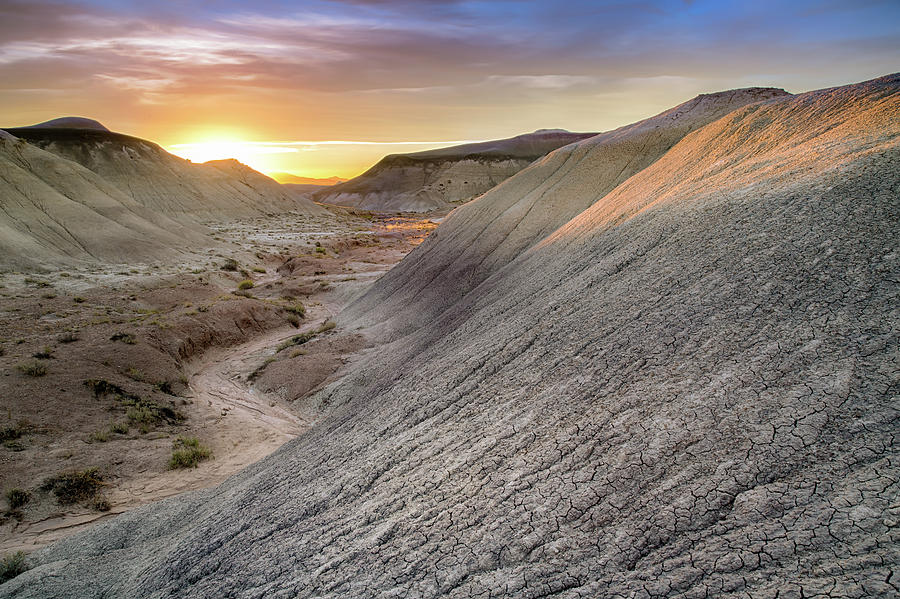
(322, 264)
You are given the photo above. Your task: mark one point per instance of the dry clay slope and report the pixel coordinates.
(489, 232)
(56, 213)
(435, 179)
(217, 190)
(687, 391)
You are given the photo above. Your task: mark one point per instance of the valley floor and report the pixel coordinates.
(107, 369)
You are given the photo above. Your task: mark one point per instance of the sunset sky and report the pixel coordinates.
(299, 86)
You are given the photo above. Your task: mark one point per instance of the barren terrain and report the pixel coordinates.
(186, 342)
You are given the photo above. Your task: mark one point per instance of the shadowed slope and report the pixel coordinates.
(435, 179)
(484, 235)
(687, 391)
(54, 212)
(165, 183)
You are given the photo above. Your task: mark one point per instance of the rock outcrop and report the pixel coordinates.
(435, 179)
(687, 389)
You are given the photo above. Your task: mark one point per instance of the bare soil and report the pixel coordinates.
(201, 358)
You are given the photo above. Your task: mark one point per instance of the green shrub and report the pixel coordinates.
(12, 565)
(17, 498)
(230, 265)
(145, 413)
(320, 250)
(297, 309)
(293, 319)
(188, 452)
(120, 428)
(258, 269)
(75, 486)
(99, 437)
(32, 368)
(245, 284)
(44, 354)
(127, 338)
(164, 387)
(78, 299)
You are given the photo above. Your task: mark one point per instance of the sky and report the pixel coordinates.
(321, 88)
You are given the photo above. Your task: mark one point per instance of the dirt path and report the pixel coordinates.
(238, 422)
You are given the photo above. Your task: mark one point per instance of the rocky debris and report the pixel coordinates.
(687, 390)
(437, 179)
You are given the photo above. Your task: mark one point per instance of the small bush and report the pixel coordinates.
(74, 487)
(294, 320)
(78, 299)
(320, 250)
(259, 270)
(135, 374)
(36, 282)
(245, 284)
(17, 498)
(145, 413)
(187, 452)
(32, 368)
(44, 354)
(127, 338)
(230, 265)
(99, 437)
(164, 387)
(67, 337)
(297, 309)
(120, 428)
(12, 565)
(11, 433)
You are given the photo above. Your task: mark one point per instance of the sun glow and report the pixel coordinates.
(252, 154)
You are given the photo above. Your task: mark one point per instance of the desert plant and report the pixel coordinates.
(120, 428)
(258, 269)
(245, 284)
(230, 265)
(127, 338)
(188, 452)
(164, 387)
(78, 299)
(320, 250)
(297, 309)
(32, 368)
(67, 337)
(293, 319)
(12, 565)
(17, 498)
(75, 486)
(99, 437)
(44, 354)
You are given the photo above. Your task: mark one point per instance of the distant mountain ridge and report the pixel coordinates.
(435, 179)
